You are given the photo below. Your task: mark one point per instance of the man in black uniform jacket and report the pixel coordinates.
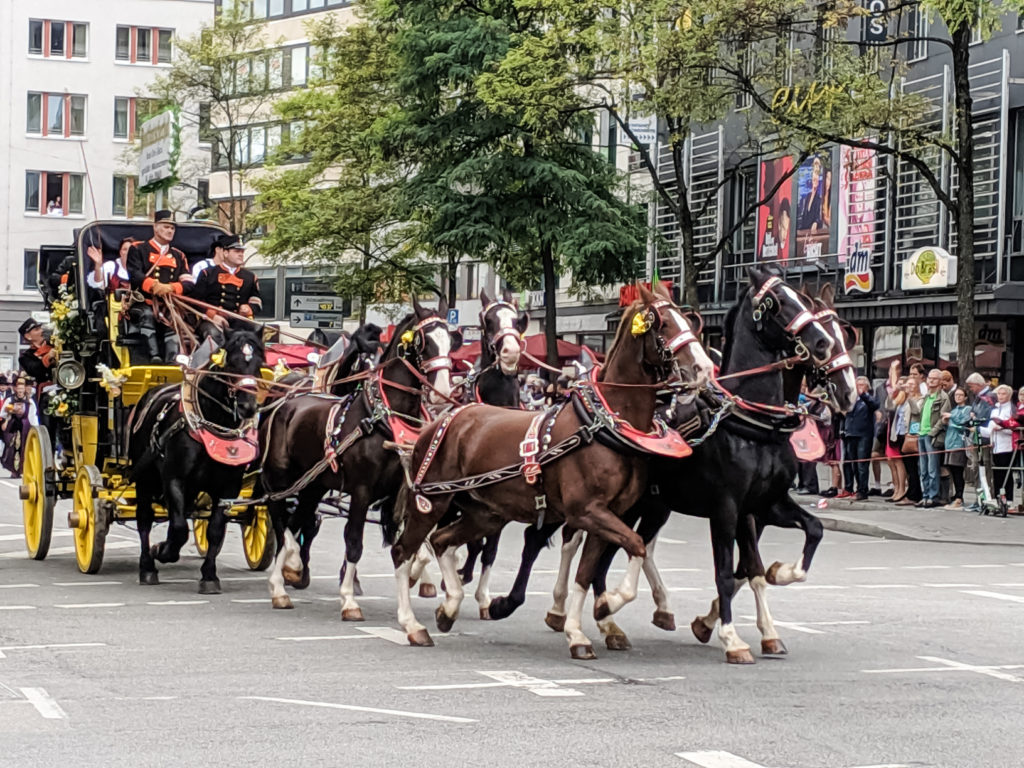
(229, 286)
(36, 361)
(156, 269)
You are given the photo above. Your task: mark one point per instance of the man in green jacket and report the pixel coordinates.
(931, 440)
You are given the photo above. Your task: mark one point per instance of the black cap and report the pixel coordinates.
(3, 381)
(228, 242)
(164, 215)
(28, 325)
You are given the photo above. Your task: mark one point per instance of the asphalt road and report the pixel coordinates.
(901, 654)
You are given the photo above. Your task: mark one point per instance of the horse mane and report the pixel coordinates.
(729, 324)
(621, 332)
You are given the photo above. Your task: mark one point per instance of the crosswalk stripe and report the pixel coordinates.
(717, 759)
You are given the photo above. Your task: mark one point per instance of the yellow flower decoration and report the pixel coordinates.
(280, 370)
(217, 358)
(641, 324)
(407, 337)
(62, 409)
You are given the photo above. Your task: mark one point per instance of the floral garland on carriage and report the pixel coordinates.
(68, 333)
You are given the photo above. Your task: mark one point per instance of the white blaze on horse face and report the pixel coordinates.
(508, 354)
(247, 351)
(442, 379)
(795, 298)
(849, 378)
(705, 368)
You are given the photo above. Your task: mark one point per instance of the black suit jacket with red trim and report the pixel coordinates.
(146, 266)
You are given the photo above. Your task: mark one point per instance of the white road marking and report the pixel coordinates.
(390, 634)
(814, 586)
(535, 685)
(44, 703)
(884, 586)
(1002, 584)
(177, 602)
(315, 638)
(717, 759)
(994, 595)
(948, 665)
(4, 648)
(11, 525)
(664, 540)
(353, 708)
(515, 679)
(17, 586)
(807, 627)
(948, 585)
(17, 607)
(870, 568)
(9, 484)
(86, 583)
(21, 536)
(984, 565)
(926, 567)
(89, 605)
(68, 550)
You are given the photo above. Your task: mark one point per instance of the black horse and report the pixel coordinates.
(494, 381)
(169, 431)
(313, 444)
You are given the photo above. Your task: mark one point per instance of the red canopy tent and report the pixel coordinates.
(293, 355)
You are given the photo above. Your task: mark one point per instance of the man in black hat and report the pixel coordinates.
(37, 361)
(157, 270)
(215, 258)
(229, 286)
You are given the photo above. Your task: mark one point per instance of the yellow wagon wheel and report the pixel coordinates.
(257, 542)
(38, 497)
(88, 520)
(199, 527)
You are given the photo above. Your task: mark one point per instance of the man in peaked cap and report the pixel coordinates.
(227, 285)
(37, 361)
(157, 270)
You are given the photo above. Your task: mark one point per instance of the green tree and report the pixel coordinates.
(223, 80)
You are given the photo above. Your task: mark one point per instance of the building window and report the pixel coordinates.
(35, 37)
(58, 39)
(745, 62)
(30, 272)
(128, 198)
(131, 112)
(297, 72)
(54, 194)
(144, 45)
(206, 133)
(55, 114)
(917, 29)
(122, 108)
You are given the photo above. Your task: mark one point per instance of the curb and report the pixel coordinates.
(878, 532)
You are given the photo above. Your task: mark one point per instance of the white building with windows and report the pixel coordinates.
(72, 73)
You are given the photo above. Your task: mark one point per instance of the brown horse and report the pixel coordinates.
(596, 476)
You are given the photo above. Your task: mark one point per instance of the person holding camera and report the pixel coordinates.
(958, 424)
(931, 440)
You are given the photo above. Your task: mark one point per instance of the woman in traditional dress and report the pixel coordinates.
(19, 414)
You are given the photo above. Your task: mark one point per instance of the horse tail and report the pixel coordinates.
(391, 525)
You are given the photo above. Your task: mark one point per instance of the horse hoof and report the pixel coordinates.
(149, 578)
(428, 590)
(772, 574)
(774, 647)
(421, 638)
(485, 613)
(601, 609)
(282, 601)
(291, 576)
(352, 614)
(209, 587)
(742, 656)
(582, 652)
(444, 621)
(700, 630)
(617, 643)
(555, 621)
(664, 620)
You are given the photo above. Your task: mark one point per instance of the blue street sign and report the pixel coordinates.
(453, 317)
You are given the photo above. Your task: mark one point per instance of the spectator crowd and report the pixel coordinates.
(933, 433)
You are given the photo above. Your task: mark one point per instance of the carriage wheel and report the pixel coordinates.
(37, 496)
(199, 527)
(88, 521)
(257, 543)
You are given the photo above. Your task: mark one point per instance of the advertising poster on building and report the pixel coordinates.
(858, 197)
(775, 217)
(814, 206)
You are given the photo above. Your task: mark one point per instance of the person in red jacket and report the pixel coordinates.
(157, 270)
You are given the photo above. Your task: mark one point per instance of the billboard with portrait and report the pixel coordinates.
(814, 206)
(775, 216)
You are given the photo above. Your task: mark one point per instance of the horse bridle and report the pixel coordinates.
(766, 301)
(419, 343)
(495, 342)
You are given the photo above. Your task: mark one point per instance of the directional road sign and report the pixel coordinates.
(317, 304)
(453, 317)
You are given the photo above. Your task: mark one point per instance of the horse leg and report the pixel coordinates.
(488, 556)
(723, 538)
(278, 511)
(144, 521)
(209, 584)
(473, 550)
(414, 534)
(663, 616)
(534, 541)
(421, 573)
(447, 540)
(751, 567)
(354, 528)
(704, 626)
(177, 524)
(786, 513)
(571, 540)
